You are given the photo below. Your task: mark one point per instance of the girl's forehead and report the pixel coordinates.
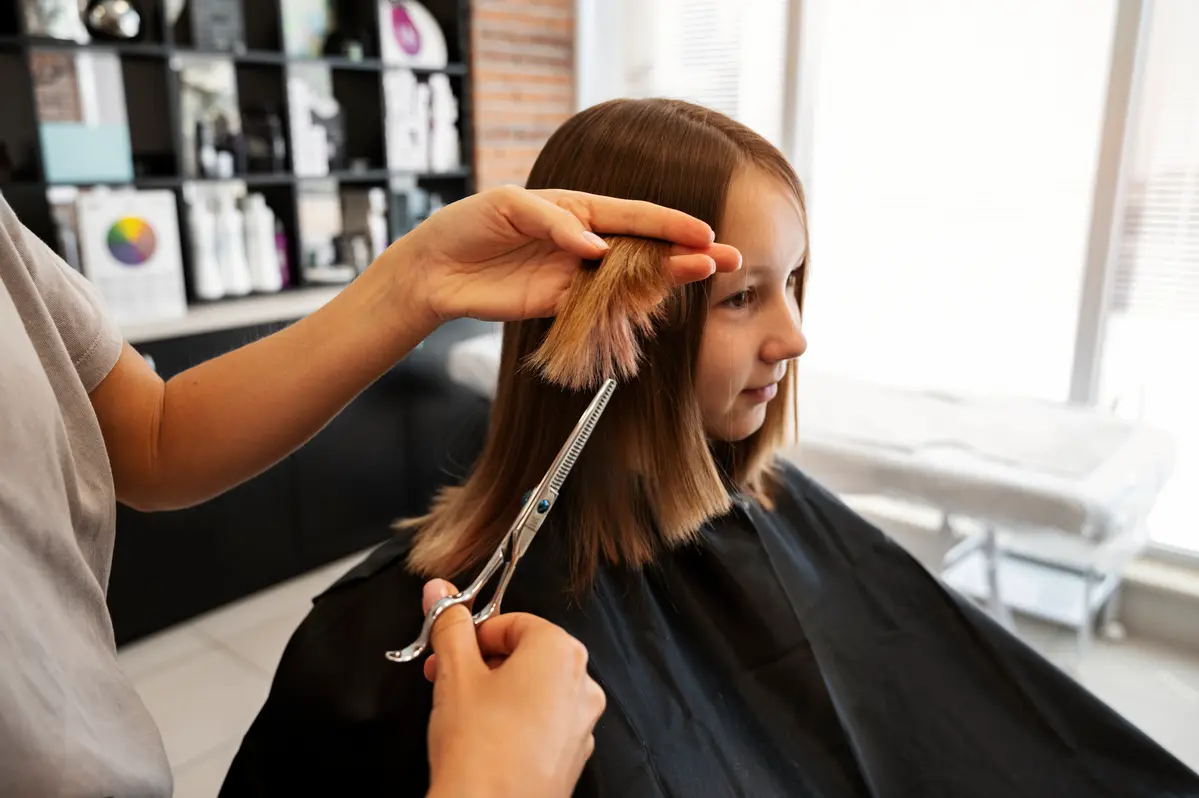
(762, 219)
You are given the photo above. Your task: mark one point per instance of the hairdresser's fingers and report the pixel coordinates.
(518, 632)
(537, 217)
(430, 666)
(500, 636)
(453, 635)
(689, 268)
(435, 590)
(726, 258)
(688, 264)
(633, 217)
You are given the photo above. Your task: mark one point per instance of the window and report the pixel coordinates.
(1151, 335)
(952, 150)
(725, 55)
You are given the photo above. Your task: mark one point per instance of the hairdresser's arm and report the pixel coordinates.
(503, 254)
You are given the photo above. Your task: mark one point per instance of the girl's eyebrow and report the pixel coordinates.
(750, 271)
(756, 269)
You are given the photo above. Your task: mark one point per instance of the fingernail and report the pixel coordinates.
(435, 590)
(711, 235)
(594, 240)
(711, 267)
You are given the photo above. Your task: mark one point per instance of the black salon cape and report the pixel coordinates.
(797, 652)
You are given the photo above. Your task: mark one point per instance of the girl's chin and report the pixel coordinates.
(738, 425)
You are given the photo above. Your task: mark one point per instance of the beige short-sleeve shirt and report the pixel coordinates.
(71, 724)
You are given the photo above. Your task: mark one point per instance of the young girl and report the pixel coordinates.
(753, 635)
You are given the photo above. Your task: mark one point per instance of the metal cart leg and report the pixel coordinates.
(999, 610)
(1109, 622)
(1086, 627)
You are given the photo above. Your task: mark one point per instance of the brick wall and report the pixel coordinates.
(523, 74)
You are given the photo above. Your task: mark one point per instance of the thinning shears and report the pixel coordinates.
(515, 543)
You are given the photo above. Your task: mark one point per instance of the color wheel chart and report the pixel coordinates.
(131, 240)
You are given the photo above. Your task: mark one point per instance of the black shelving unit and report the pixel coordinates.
(150, 68)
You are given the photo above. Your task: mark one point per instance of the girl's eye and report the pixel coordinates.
(793, 277)
(739, 300)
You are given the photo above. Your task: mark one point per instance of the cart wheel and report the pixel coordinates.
(1114, 630)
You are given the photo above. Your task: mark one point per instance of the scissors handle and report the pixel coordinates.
(418, 646)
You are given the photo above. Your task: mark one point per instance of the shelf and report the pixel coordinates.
(338, 62)
(332, 61)
(241, 57)
(50, 43)
(228, 314)
(377, 175)
(278, 179)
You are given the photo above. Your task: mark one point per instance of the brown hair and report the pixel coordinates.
(648, 478)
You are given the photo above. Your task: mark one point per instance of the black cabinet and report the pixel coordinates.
(382, 458)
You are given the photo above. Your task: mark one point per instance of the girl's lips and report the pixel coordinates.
(763, 394)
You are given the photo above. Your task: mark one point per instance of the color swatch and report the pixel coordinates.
(131, 240)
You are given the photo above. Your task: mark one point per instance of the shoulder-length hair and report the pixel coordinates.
(649, 478)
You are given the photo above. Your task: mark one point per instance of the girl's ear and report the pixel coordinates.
(609, 309)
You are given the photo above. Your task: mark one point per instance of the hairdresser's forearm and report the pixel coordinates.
(231, 418)
(458, 785)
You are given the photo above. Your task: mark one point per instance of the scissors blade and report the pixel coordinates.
(542, 499)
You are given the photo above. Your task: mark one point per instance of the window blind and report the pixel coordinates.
(710, 57)
(1157, 271)
(728, 56)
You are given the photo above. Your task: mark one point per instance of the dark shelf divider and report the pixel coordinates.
(263, 22)
(49, 43)
(18, 122)
(358, 93)
(150, 130)
(257, 179)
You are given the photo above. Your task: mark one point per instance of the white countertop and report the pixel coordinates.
(232, 313)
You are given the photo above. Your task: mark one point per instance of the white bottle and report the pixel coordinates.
(206, 271)
(265, 275)
(376, 221)
(231, 247)
(444, 148)
(423, 128)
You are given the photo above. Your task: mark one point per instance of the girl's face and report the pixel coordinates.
(753, 326)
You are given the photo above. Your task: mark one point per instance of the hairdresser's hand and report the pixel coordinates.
(509, 253)
(519, 727)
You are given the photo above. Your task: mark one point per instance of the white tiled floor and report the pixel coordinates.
(205, 681)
